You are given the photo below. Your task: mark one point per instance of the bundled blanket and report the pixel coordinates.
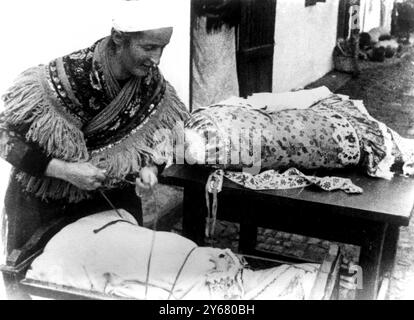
(126, 260)
(333, 132)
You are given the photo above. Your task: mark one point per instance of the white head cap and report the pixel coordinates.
(141, 15)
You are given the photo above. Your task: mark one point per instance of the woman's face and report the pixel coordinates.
(144, 50)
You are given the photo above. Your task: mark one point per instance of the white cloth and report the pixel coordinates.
(301, 99)
(141, 15)
(376, 33)
(388, 44)
(274, 102)
(114, 261)
(214, 64)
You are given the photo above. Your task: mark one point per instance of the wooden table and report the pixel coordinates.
(370, 220)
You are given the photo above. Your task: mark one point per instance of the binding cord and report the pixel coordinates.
(122, 219)
(154, 227)
(117, 212)
(214, 185)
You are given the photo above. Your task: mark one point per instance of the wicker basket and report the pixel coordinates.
(346, 64)
(342, 59)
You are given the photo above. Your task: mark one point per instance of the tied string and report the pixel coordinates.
(213, 186)
(154, 227)
(122, 219)
(118, 179)
(154, 232)
(117, 212)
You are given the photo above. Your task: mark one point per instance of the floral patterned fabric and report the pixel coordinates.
(269, 180)
(372, 138)
(290, 179)
(313, 138)
(335, 132)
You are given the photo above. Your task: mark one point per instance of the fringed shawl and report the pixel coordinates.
(57, 102)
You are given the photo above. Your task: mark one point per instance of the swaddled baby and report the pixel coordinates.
(108, 254)
(334, 132)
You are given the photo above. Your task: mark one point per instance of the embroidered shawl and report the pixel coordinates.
(75, 110)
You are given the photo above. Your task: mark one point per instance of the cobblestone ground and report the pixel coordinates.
(388, 94)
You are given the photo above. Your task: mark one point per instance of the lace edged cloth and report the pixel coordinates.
(269, 180)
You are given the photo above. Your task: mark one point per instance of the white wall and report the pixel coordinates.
(304, 41)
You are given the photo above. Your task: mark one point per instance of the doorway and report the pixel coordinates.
(255, 46)
(252, 25)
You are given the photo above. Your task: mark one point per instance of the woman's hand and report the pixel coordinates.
(83, 175)
(147, 179)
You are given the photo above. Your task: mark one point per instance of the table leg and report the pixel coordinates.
(248, 230)
(372, 244)
(390, 249)
(194, 213)
(248, 238)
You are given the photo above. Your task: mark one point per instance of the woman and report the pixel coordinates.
(80, 131)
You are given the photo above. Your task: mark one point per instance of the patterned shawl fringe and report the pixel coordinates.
(136, 150)
(50, 188)
(26, 103)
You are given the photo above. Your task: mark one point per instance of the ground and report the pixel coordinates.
(388, 94)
